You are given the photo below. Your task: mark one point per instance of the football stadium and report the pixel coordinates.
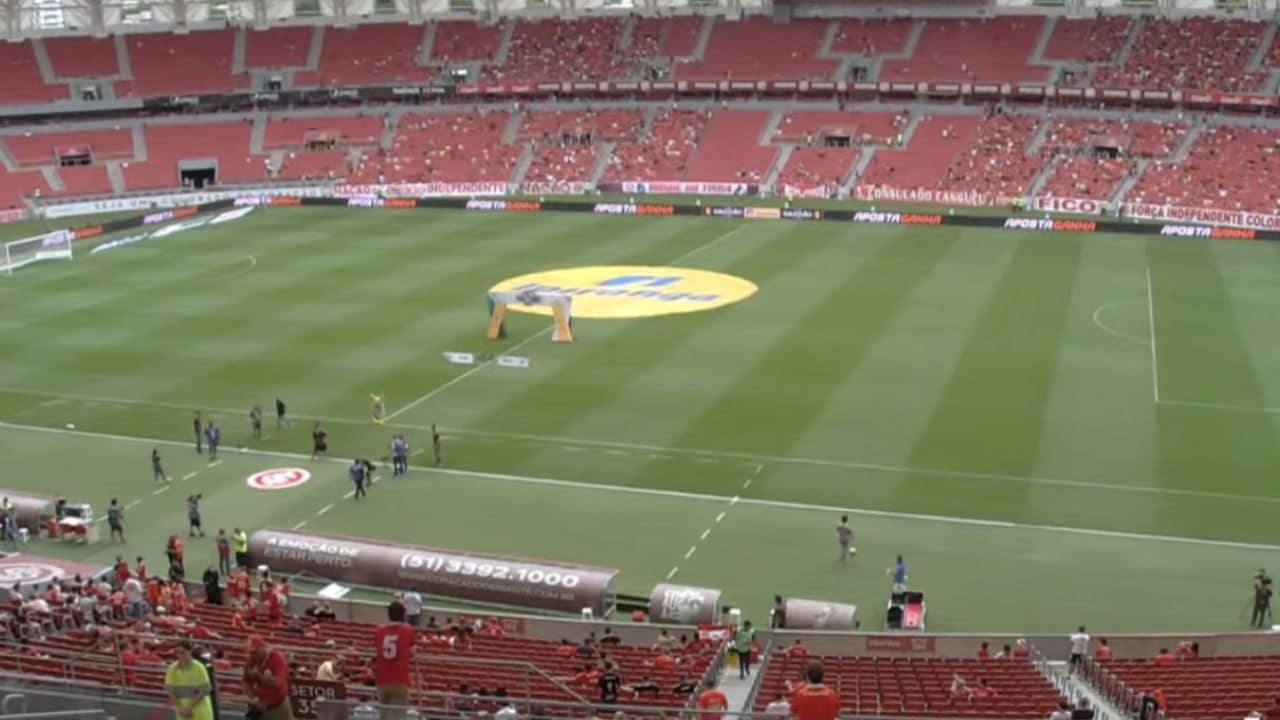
(375, 359)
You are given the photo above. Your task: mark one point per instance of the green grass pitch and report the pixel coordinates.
(1052, 429)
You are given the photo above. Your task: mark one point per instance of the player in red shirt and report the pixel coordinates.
(393, 644)
(813, 700)
(712, 702)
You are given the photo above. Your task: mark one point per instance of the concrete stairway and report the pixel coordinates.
(140, 153)
(779, 162)
(1122, 193)
(122, 57)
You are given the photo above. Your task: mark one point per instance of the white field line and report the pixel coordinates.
(541, 333)
(652, 492)
(1097, 320)
(1222, 406)
(1155, 354)
(299, 526)
(190, 475)
(454, 381)
(660, 452)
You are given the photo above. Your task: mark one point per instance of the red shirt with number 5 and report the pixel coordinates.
(394, 655)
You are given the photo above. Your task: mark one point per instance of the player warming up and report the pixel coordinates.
(359, 473)
(399, 455)
(437, 445)
(844, 534)
(255, 422)
(319, 442)
(393, 644)
(156, 468)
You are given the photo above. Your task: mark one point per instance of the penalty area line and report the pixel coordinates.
(683, 495)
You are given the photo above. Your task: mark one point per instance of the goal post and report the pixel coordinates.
(558, 305)
(50, 246)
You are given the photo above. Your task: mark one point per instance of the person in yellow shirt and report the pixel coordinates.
(187, 683)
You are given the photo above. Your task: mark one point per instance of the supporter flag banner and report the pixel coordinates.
(420, 190)
(1075, 206)
(8, 216)
(925, 196)
(817, 192)
(680, 188)
(1205, 216)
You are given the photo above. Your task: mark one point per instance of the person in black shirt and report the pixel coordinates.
(281, 420)
(685, 687)
(255, 422)
(610, 684)
(645, 687)
(320, 442)
(199, 433)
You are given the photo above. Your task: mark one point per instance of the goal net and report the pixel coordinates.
(558, 305)
(20, 253)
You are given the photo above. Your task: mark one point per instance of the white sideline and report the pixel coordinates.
(663, 452)
(552, 482)
(454, 381)
(1155, 354)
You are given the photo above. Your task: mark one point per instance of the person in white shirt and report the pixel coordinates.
(779, 707)
(330, 670)
(506, 712)
(133, 597)
(412, 608)
(665, 642)
(1079, 646)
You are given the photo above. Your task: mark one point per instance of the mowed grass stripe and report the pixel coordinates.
(816, 354)
(668, 367)
(1251, 272)
(990, 417)
(1203, 356)
(877, 415)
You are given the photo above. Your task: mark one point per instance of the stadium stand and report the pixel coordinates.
(277, 48)
(730, 151)
(664, 152)
(463, 147)
(478, 655)
(1224, 688)
(346, 131)
(82, 57)
(817, 161)
(225, 143)
(21, 81)
(920, 162)
(168, 64)
(1194, 53)
(368, 54)
(1227, 167)
(872, 37)
(760, 49)
(666, 37)
(1091, 40)
(36, 149)
(14, 186)
(919, 687)
(988, 50)
(464, 42)
(556, 50)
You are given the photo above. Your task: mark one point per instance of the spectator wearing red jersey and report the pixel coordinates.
(1164, 658)
(812, 700)
(984, 653)
(142, 567)
(798, 650)
(393, 645)
(123, 573)
(1103, 653)
(266, 679)
(712, 702)
(129, 661)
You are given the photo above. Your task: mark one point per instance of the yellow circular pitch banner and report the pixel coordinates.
(630, 291)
